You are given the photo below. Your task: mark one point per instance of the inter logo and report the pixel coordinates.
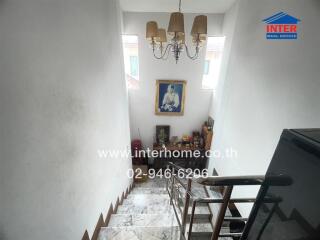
(281, 26)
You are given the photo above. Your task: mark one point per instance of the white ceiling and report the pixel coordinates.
(188, 6)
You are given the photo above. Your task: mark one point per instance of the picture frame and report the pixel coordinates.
(170, 97)
(162, 134)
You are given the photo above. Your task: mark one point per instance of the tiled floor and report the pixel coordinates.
(146, 214)
(140, 220)
(139, 233)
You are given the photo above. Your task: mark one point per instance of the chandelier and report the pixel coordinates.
(157, 37)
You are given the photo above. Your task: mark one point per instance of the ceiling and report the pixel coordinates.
(188, 6)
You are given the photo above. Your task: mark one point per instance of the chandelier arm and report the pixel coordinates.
(196, 55)
(161, 55)
(154, 53)
(167, 52)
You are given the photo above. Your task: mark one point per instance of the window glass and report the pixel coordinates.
(131, 60)
(212, 62)
(206, 67)
(134, 67)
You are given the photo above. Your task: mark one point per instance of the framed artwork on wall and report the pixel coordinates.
(170, 97)
(162, 134)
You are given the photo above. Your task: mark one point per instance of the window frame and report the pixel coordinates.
(210, 68)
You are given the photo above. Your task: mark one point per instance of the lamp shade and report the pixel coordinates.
(176, 24)
(162, 35)
(199, 25)
(151, 30)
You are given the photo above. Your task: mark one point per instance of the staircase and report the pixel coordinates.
(146, 214)
(186, 208)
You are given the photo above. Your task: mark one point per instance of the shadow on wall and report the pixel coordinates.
(2, 2)
(2, 236)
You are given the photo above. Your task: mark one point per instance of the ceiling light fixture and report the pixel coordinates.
(158, 36)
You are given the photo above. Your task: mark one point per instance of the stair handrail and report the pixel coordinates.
(228, 182)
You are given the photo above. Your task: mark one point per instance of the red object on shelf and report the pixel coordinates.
(136, 146)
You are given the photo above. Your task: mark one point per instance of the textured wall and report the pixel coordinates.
(62, 97)
(268, 85)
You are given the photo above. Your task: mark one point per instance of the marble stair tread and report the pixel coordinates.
(197, 191)
(143, 220)
(206, 236)
(152, 183)
(201, 192)
(205, 227)
(139, 233)
(147, 196)
(145, 190)
(213, 193)
(200, 227)
(201, 212)
(145, 209)
(197, 188)
(182, 202)
(147, 200)
(203, 231)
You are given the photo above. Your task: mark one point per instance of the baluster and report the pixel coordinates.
(222, 211)
(172, 185)
(186, 207)
(191, 219)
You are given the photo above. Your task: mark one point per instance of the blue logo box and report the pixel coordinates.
(281, 35)
(281, 26)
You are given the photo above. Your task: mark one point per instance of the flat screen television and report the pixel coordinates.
(297, 215)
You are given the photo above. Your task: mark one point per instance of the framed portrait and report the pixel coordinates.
(170, 97)
(162, 134)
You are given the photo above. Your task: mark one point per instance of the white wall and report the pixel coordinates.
(142, 101)
(228, 28)
(62, 97)
(268, 85)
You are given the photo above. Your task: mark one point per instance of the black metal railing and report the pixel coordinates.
(175, 184)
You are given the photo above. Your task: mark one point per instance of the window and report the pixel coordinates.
(212, 62)
(134, 66)
(206, 67)
(131, 60)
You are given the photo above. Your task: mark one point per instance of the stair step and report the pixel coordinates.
(196, 188)
(146, 214)
(152, 183)
(146, 196)
(139, 233)
(200, 212)
(143, 220)
(200, 228)
(213, 206)
(145, 190)
(147, 200)
(145, 209)
(203, 231)
(182, 202)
